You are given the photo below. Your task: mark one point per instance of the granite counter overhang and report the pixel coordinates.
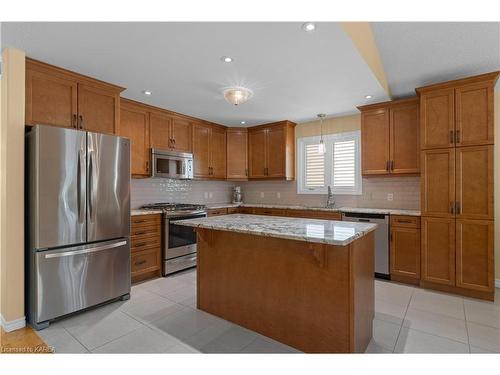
(339, 233)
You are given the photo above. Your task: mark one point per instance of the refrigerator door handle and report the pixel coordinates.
(91, 184)
(81, 187)
(85, 251)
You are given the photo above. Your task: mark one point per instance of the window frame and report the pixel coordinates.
(329, 141)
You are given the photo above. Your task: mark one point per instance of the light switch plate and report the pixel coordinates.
(210, 195)
(205, 195)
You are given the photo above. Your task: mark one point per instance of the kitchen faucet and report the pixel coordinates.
(330, 201)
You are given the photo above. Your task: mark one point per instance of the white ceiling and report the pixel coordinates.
(294, 75)
(415, 54)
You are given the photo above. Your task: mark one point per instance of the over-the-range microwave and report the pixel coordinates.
(171, 164)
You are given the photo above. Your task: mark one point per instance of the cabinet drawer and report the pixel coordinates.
(145, 220)
(233, 210)
(217, 212)
(246, 210)
(311, 214)
(145, 260)
(154, 230)
(138, 244)
(405, 221)
(269, 211)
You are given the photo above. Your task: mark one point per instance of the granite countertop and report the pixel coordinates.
(139, 211)
(384, 211)
(330, 232)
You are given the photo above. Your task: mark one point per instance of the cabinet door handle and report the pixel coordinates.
(457, 137)
(452, 136)
(147, 166)
(81, 121)
(387, 166)
(140, 263)
(75, 122)
(246, 172)
(140, 244)
(139, 233)
(458, 209)
(404, 221)
(392, 165)
(452, 208)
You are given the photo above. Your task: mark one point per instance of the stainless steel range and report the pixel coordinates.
(179, 242)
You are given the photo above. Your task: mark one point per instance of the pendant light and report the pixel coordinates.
(321, 146)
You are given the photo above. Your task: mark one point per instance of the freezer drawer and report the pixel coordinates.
(74, 278)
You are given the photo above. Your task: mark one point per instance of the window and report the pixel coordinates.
(339, 167)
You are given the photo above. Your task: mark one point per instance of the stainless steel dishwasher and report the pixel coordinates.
(381, 239)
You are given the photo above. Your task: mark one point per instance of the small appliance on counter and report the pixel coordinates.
(179, 242)
(237, 198)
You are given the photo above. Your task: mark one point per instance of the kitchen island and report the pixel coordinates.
(307, 283)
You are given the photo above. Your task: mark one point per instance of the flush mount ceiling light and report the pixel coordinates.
(368, 97)
(308, 27)
(147, 92)
(237, 95)
(226, 59)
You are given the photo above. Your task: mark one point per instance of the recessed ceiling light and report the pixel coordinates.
(226, 59)
(368, 97)
(147, 92)
(308, 27)
(243, 122)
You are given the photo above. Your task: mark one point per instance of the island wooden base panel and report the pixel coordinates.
(314, 297)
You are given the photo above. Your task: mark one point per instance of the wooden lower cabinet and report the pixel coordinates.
(405, 249)
(438, 250)
(145, 247)
(474, 254)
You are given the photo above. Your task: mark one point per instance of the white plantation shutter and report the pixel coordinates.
(339, 167)
(315, 167)
(344, 164)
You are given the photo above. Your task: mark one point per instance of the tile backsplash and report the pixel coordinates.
(376, 193)
(152, 190)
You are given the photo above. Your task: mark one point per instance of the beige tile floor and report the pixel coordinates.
(161, 317)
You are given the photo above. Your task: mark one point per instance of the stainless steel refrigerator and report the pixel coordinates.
(78, 221)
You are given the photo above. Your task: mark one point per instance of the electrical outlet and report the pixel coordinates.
(262, 194)
(205, 195)
(210, 195)
(390, 196)
(278, 195)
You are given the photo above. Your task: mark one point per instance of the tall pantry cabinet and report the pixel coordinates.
(456, 128)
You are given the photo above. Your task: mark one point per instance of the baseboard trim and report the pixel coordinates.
(497, 283)
(9, 326)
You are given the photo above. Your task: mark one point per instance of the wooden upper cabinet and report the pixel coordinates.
(375, 141)
(438, 183)
(271, 151)
(438, 250)
(390, 138)
(56, 96)
(437, 119)
(474, 182)
(160, 130)
(50, 99)
(237, 154)
(134, 124)
(457, 113)
(405, 139)
(257, 148)
(98, 109)
(474, 114)
(474, 254)
(276, 157)
(218, 152)
(180, 133)
(201, 150)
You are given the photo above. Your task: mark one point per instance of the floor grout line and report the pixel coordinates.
(403, 321)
